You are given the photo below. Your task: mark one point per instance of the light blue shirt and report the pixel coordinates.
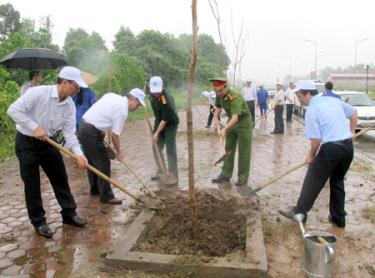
(41, 107)
(326, 119)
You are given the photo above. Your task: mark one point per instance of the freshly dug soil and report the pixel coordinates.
(221, 231)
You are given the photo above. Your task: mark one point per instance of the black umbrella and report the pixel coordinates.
(34, 59)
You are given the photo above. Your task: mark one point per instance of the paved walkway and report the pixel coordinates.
(78, 252)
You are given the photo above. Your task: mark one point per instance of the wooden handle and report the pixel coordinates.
(322, 240)
(157, 151)
(132, 171)
(92, 169)
(279, 176)
(361, 132)
(222, 147)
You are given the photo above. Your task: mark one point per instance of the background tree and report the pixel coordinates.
(9, 21)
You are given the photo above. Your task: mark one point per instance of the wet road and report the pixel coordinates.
(74, 252)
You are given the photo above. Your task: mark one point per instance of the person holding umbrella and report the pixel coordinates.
(39, 114)
(35, 78)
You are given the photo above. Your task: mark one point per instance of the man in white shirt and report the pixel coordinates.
(289, 100)
(109, 113)
(39, 114)
(250, 95)
(211, 96)
(278, 106)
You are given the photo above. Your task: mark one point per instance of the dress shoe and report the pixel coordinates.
(113, 201)
(155, 178)
(291, 215)
(44, 230)
(337, 222)
(220, 179)
(240, 183)
(75, 221)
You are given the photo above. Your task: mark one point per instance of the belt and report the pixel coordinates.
(92, 126)
(32, 139)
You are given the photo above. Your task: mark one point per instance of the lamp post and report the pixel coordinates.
(355, 48)
(367, 69)
(315, 43)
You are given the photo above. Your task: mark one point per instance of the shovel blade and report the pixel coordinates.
(155, 204)
(222, 158)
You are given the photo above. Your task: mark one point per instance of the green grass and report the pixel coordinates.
(6, 146)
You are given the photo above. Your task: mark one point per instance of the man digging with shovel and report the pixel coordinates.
(237, 131)
(39, 114)
(331, 151)
(109, 113)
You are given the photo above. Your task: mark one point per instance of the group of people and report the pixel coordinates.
(326, 126)
(70, 106)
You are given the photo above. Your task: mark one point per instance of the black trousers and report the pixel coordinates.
(251, 105)
(210, 116)
(92, 141)
(289, 112)
(31, 154)
(332, 161)
(279, 123)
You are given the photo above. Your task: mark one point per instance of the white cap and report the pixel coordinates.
(139, 94)
(249, 80)
(279, 83)
(156, 84)
(305, 85)
(72, 74)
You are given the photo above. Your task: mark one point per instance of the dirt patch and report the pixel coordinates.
(222, 227)
(369, 213)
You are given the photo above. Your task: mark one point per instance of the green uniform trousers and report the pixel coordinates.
(168, 138)
(241, 136)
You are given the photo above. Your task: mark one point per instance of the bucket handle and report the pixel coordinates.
(329, 254)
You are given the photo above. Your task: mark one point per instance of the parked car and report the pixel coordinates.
(298, 108)
(365, 107)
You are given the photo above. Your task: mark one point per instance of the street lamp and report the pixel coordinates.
(355, 53)
(315, 43)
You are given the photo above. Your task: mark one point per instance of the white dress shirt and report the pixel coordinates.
(108, 113)
(211, 97)
(249, 93)
(41, 107)
(279, 98)
(289, 94)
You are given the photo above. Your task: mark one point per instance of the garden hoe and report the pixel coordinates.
(148, 203)
(123, 162)
(222, 148)
(164, 177)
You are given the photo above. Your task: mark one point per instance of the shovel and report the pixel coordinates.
(165, 177)
(123, 162)
(292, 169)
(149, 203)
(222, 148)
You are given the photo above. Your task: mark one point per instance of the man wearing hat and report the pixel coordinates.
(109, 113)
(236, 131)
(278, 106)
(38, 114)
(331, 151)
(165, 125)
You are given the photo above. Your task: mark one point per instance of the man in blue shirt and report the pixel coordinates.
(83, 101)
(328, 86)
(262, 96)
(331, 151)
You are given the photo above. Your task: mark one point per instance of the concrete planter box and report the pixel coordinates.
(253, 265)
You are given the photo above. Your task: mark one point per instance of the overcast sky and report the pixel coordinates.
(275, 29)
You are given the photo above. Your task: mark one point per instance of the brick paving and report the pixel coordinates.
(79, 252)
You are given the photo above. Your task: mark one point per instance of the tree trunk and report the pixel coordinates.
(189, 116)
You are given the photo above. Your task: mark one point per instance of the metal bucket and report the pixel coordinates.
(319, 258)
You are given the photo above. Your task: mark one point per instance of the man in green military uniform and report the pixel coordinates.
(166, 123)
(236, 131)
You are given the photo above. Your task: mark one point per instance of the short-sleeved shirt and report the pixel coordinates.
(280, 95)
(289, 96)
(235, 105)
(108, 113)
(249, 93)
(326, 119)
(164, 109)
